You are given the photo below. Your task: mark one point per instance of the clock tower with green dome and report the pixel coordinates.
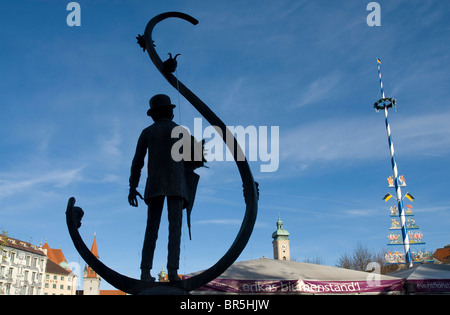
(281, 242)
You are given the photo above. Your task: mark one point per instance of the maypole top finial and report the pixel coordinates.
(384, 102)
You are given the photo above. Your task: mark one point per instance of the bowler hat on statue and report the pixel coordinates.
(159, 101)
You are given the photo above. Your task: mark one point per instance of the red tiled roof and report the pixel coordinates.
(104, 292)
(54, 254)
(443, 254)
(54, 268)
(90, 272)
(112, 292)
(94, 249)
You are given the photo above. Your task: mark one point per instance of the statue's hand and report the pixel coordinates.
(132, 197)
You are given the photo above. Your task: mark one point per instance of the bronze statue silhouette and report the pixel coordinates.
(74, 214)
(166, 179)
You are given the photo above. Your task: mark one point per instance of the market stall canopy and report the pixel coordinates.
(426, 278)
(271, 276)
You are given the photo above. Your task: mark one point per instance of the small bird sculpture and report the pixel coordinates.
(170, 65)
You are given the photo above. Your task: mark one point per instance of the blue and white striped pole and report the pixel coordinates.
(398, 189)
(379, 75)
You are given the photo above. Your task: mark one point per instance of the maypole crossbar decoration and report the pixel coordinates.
(385, 103)
(414, 234)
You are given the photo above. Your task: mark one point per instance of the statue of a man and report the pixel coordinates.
(166, 179)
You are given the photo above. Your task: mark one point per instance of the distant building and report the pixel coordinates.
(442, 255)
(59, 279)
(92, 280)
(162, 276)
(280, 242)
(22, 267)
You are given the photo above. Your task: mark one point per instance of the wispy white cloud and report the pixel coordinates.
(110, 146)
(358, 213)
(435, 209)
(329, 140)
(363, 138)
(318, 90)
(230, 222)
(221, 222)
(11, 184)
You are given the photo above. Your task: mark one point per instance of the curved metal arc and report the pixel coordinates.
(201, 107)
(250, 190)
(121, 282)
(148, 36)
(191, 97)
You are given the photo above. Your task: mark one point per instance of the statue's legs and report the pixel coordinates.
(175, 208)
(155, 207)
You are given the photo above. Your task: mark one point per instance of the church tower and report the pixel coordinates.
(91, 278)
(281, 242)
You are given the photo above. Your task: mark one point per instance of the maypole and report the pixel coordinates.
(385, 103)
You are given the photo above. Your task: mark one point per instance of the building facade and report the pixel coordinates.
(91, 278)
(442, 255)
(280, 242)
(22, 267)
(59, 279)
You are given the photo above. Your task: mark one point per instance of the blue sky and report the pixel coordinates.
(74, 101)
